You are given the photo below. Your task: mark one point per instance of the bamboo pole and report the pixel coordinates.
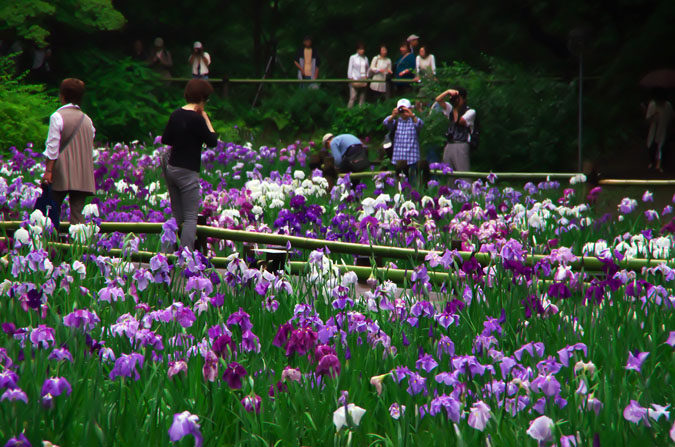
(586, 262)
(635, 182)
(296, 267)
(474, 174)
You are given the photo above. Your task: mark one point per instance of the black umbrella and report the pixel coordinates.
(659, 78)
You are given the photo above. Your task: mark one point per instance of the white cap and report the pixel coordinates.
(197, 44)
(412, 37)
(326, 137)
(403, 103)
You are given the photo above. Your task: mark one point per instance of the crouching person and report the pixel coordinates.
(349, 153)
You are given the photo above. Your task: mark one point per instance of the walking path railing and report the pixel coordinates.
(478, 174)
(590, 263)
(295, 267)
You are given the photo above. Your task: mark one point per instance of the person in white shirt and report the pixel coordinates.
(425, 64)
(199, 61)
(380, 67)
(357, 70)
(462, 121)
(69, 151)
(659, 116)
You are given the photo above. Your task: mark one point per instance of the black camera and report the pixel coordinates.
(401, 109)
(454, 99)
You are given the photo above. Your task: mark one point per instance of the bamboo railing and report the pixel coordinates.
(591, 263)
(475, 174)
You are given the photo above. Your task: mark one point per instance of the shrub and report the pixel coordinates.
(24, 108)
(126, 100)
(527, 122)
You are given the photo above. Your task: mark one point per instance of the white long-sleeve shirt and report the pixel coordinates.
(358, 67)
(53, 143)
(427, 65)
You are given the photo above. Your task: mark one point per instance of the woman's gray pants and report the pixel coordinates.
(457, 156)
(185, 194)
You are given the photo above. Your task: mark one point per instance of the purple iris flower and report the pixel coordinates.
(233, 375)
(452, 407)
(565, 353)
(60, 354)
(185, 317)
(42, 336)
(635, 361)
(559, 290)
(169, 229)
(400, 372)
(250, 342)
(548, 385)
(492, 325)
(445, 345)
(240, 318)
(14, 394)
(635, 413)
(8, 379)
(671, 339)
(416, 384)
(506, 366)
(427, 363)
(125, 366)
(568, 441)
(185, 424)
(281, 337)
(449, 379)
(19, 441)
(56, 386)
(252, 403)
(328, 365)
(81, 319)
(222, 343)
(302, 341)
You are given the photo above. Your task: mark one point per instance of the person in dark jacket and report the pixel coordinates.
(189, 128)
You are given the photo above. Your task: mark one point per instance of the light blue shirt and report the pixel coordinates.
(339, 145)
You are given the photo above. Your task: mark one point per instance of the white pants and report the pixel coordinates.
(353, 93)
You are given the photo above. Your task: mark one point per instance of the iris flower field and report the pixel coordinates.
(519, 313)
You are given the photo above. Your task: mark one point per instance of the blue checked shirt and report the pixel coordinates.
(406, 139)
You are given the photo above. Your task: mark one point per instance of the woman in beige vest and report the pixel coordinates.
(69, 150)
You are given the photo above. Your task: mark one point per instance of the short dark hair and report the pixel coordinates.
(360, 46)
(461, 91)
(197, 90)
(72, 90)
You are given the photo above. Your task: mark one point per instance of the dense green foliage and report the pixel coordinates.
(24, 108)
(125, 99)
(32, 19)
(523, 90)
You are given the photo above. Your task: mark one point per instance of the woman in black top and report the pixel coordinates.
(189, 128)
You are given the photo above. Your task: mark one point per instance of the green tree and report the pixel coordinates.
(32, 19)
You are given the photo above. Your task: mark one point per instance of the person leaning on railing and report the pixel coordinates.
(188, 129)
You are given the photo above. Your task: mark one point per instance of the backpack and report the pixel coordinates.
(462, 134)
